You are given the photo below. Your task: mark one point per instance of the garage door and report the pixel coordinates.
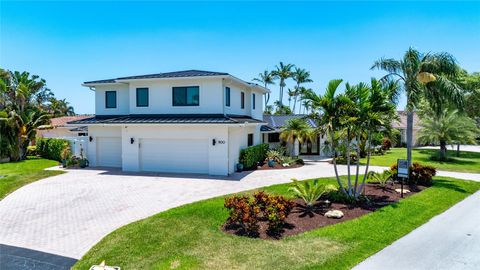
(109, 151)
(174, 155)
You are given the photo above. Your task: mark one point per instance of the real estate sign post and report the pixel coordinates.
(402, 172)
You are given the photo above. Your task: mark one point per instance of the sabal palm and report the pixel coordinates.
(300, 76)
(423, 75)
(283, 72)
(266, 78)
(448, 127)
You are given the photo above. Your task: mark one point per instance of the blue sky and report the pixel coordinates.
(67, 43)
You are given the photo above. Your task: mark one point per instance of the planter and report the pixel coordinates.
(239, 167)
(83, 163)
(271, 163)
(64, 163)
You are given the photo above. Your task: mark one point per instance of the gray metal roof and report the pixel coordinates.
(277, 122)
(175, 74)
(168, 119)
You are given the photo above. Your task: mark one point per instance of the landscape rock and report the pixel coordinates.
(399, 190)
(334, 214)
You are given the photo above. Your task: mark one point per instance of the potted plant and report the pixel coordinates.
(239, 167)
(82, 162)
(272, 157)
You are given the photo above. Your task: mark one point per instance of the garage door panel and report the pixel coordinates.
(109, 152)
(174, 155)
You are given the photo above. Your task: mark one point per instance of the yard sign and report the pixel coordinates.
(402, 172)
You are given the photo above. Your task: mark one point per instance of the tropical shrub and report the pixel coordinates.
(300, 161)
(419, 174)
(250, 156)
(382, 178)
(277, 208)
(287, 160)
(50, 148)
(243, 212)
(310, 191)
(274, 155)
(386, 144)
(31, 150)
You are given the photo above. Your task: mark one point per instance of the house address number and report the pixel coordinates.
(221, 141)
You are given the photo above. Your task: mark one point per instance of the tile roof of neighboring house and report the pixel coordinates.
(402, 124)
(167, 119)
(175, 74)
(62, 121)
(276, 122)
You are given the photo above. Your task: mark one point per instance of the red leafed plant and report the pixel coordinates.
(243, 212)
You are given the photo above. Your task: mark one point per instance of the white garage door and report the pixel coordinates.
(174, 155)
(109, 151)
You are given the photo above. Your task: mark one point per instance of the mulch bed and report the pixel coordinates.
(276, 167)
(299, 220)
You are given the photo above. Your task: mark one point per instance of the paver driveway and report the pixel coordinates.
(50, 223)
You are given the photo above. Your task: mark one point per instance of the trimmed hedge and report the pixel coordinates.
(253, 154)
(50, 148)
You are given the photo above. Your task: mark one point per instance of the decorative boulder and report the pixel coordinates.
(334, 214)
(405, 191)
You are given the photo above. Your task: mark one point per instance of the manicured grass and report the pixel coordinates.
(18, 174)
(467, 162)
(189, 237)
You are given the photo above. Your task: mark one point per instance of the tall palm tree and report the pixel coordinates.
(422, 75)
(283, 72)
(300, 76)
(448, 127)
(266, 78)
(291, 93)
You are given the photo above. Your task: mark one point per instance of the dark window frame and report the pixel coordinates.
(250, 139)
(148, 96)
(227, 96)
(253, 101)
(186, 93)
(274, 137)
(106, 99)
(242, 100)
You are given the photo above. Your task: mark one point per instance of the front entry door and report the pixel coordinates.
(310, 147)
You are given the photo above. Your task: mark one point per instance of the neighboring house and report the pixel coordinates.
(272, 130)
(402, 126)
(59, 128)
(187, 121)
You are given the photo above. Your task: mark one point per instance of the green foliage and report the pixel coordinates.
(250, 156)
(51, 148)
(310, 191)
(287, 160)
(382, 178)
(32, 150)
(274, 155)
(418, 174)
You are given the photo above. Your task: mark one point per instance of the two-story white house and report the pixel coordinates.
(187, 121)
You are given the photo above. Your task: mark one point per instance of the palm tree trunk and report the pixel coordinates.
(358, 165)
(369, 146)
(409, 137)
(443, 150)
(335, 164)
(348, 163)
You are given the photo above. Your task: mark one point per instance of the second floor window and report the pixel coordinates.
(186, 96)
(142, 97)
(227, 96)
(253, 101)
(110, 99)
(242, 100)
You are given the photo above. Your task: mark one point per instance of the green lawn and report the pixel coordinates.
(18, 174)
(188, 237)
(467, 162)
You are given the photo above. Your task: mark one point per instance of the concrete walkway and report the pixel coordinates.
(56, 220)
(450, 240)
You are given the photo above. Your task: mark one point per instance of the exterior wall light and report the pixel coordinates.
(214, 141)
(132, 140)
(90, 138)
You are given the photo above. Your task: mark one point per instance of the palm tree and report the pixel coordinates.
(449, 127)
(60, 107)
(266, 78)
(300, 76)
(296, 129)
(422, 75)
(291, 93)
(283, 72)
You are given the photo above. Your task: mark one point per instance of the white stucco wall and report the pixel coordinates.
(238, 139)
(123, 99)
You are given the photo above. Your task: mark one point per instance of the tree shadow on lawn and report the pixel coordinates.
(448, 185)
